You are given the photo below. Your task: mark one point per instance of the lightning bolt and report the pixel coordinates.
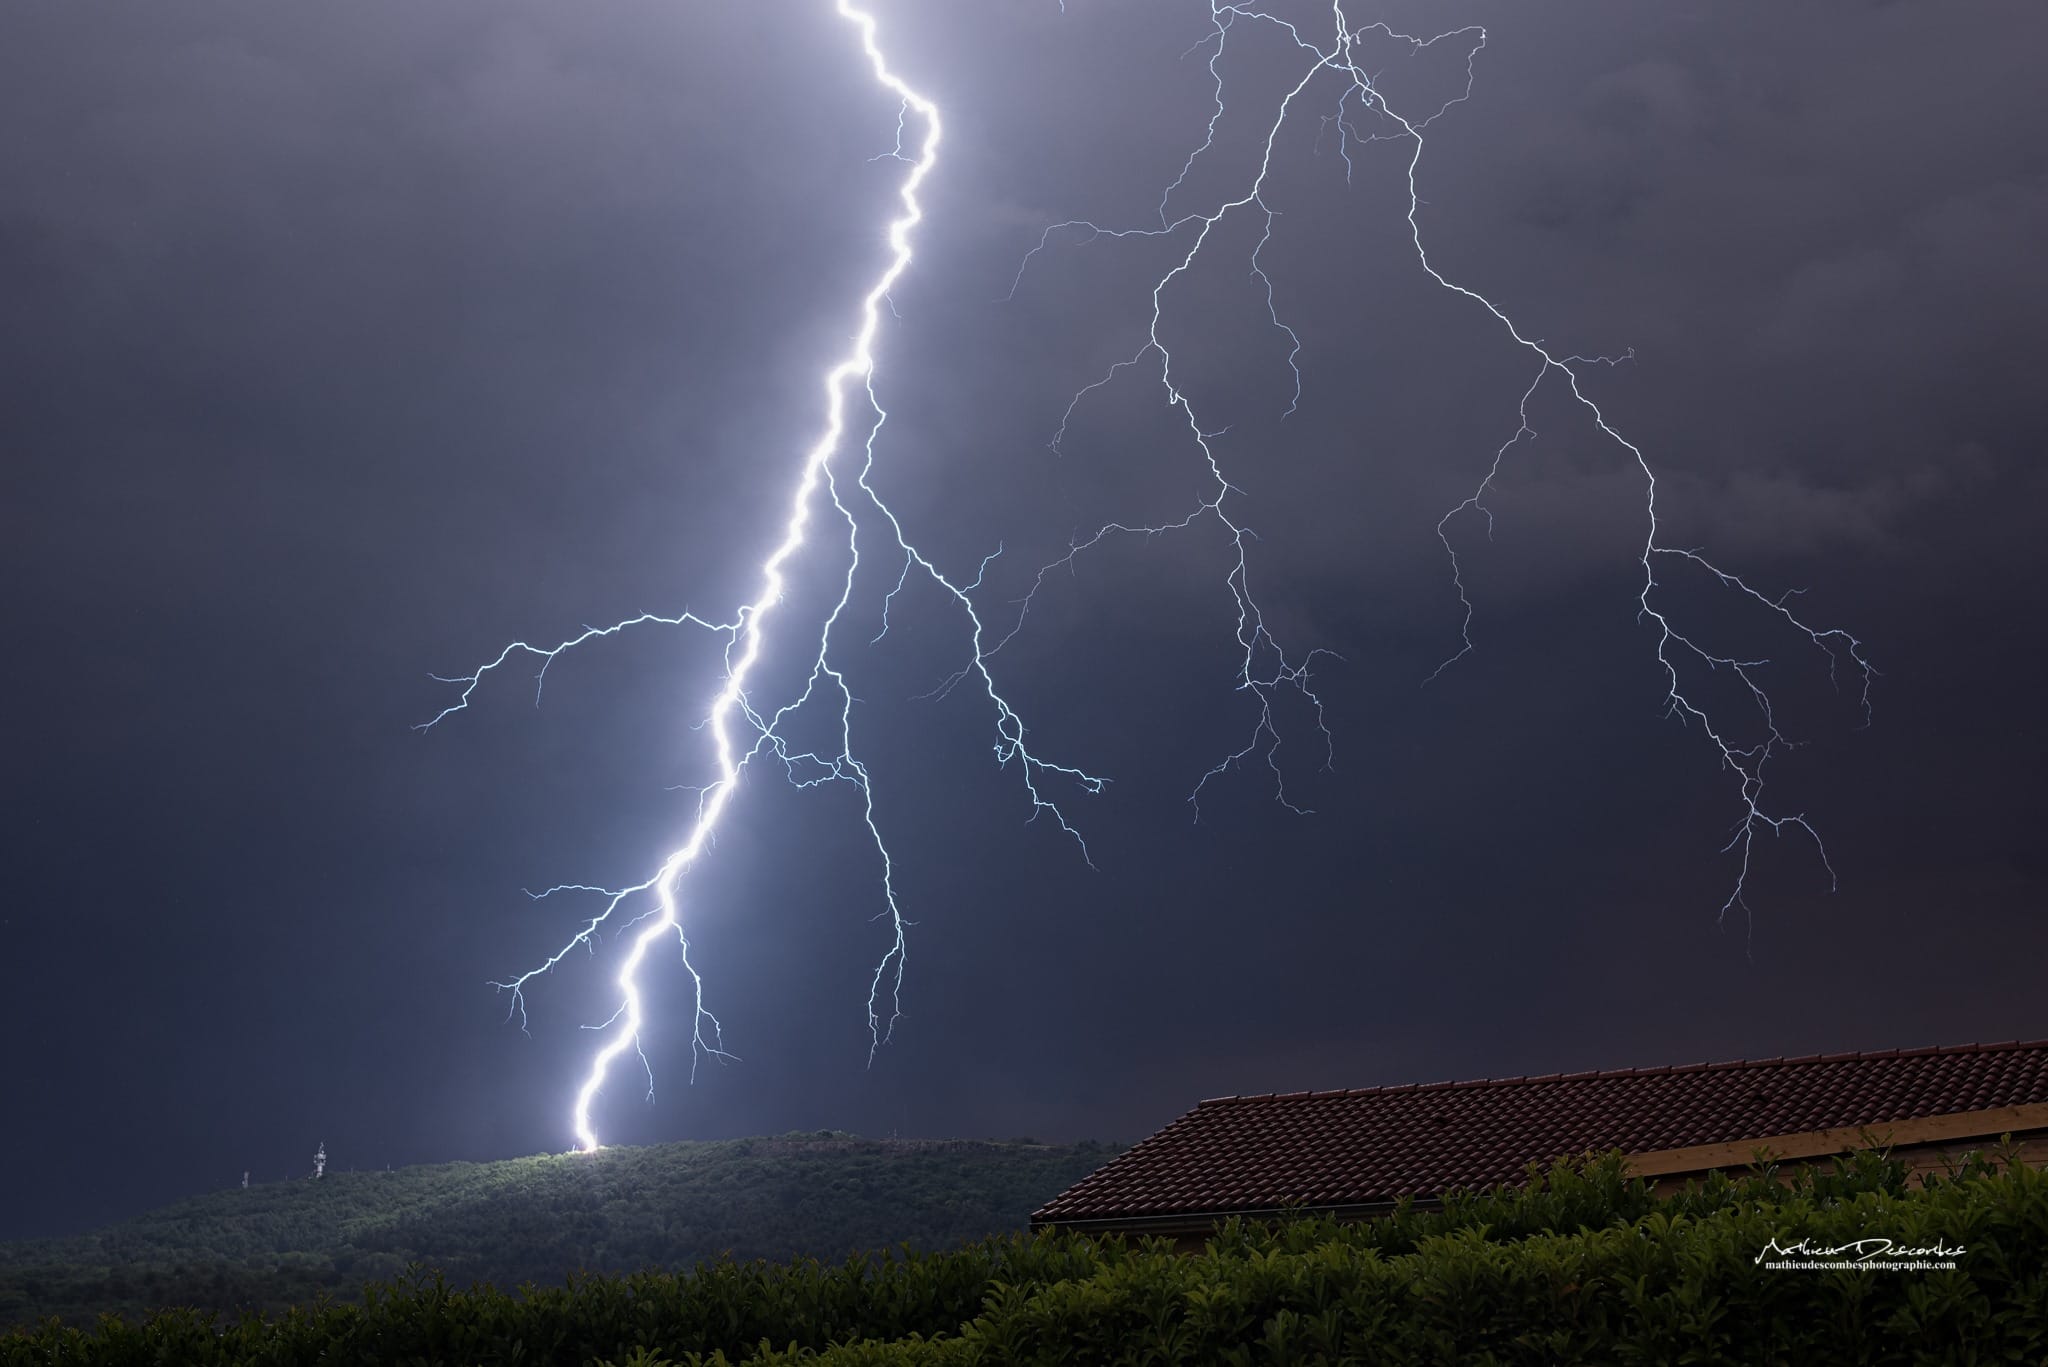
(849, 381)
(1265, 668)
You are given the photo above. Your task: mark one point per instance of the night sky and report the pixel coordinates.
(342, 345)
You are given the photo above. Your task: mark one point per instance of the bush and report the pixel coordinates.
(1582, 1265)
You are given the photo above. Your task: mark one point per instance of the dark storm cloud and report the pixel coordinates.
(347, 345)
(1837, 276)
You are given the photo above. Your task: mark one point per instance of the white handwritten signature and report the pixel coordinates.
(1860, 1250)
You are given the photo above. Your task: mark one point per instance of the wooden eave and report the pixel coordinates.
(1897, 1134)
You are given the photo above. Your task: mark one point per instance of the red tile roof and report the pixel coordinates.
(1323, 1149)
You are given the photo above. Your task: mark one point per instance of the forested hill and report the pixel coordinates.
(539, 1219)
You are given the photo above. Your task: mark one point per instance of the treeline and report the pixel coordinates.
(275, 1245)
(1582, 1265)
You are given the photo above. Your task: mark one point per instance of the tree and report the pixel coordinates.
(320, 1160)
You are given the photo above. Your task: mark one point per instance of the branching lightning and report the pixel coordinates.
(743, 635)
(1264, 666)
(743, 727)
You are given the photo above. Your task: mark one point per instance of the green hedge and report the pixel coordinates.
(1581, 1265)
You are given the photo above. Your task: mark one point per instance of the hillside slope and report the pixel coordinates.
(539, 1219)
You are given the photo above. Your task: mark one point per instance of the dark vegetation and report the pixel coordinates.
(539, 1219)
(1582, 1265)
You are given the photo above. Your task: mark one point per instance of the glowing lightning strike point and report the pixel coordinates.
(744, 635)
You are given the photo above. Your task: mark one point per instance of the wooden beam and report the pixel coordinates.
(1935, 1129)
